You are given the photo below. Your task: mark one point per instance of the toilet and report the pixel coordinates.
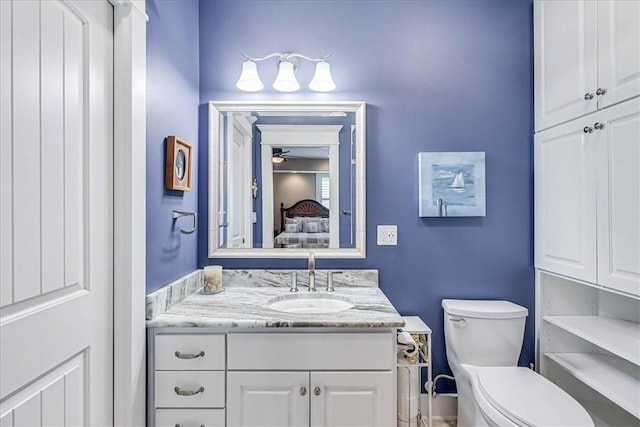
(483, 340)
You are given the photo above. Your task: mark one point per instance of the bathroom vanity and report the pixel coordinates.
(234, 359)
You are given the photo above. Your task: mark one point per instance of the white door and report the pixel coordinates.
(565, 199)
(240, 172)
(353, 399)
(618, 50)
(565, 52)
(619, 197)
(56, 106)
(268, 399)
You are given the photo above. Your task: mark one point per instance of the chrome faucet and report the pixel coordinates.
(312, 272)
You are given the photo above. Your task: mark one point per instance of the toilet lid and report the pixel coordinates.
(529, 399)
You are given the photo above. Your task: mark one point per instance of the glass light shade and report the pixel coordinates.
(277, 159)
(322, 80)
(286, 80)
(249, 80)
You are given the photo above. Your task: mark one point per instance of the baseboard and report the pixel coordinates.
(444, 406)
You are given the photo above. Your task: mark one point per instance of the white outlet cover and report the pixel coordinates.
(387, 235)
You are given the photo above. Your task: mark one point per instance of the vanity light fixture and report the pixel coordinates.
(286, 81)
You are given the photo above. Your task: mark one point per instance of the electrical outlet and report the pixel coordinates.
(387, 235)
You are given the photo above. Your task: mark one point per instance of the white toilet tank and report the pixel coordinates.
(483, 333)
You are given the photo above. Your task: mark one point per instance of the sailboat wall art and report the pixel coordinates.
(451, 184)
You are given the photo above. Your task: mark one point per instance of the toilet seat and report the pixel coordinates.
(526, 398)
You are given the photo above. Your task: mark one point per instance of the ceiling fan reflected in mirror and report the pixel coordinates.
(278, 156)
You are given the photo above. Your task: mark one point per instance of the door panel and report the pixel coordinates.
(565, 60)
(267, 399)
(619, 199)
(56, 145)
(565, 201)
(353, 399)
(618, 50)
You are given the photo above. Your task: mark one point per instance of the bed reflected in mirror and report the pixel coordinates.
(276, 167)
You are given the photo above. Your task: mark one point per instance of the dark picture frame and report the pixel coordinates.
(179, 164)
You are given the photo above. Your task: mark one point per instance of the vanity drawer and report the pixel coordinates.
(213, 383)
(305, 351)
(190, 417)
(195, 352)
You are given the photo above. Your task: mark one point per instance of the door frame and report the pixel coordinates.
(129, 227)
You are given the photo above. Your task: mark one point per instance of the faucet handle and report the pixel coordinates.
(330, 287)
(294, 282)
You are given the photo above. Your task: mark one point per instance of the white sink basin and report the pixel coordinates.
(309, 303)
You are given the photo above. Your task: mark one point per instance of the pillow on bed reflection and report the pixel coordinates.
(291, 228)
(311, 227)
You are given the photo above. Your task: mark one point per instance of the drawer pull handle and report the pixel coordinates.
(317, 391)
(188, 392)
(188, 356)
(178, 425)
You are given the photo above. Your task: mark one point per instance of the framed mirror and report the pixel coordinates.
(287, 179)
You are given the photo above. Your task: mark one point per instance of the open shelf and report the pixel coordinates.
(607, 414)
(619, 337)
(614, 379)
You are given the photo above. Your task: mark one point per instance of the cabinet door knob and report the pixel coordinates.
(588, 96)
(188, 356)
(188, 392)
(587, 129)
(317, 391)
(598, 125)
(601, 91)
(303, 391)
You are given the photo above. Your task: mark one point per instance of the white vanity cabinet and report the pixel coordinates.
(318, 377)
(587, 56)
(311, 379)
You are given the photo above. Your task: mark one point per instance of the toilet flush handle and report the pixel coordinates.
(460, 321)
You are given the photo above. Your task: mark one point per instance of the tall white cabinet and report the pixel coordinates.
(587, 202)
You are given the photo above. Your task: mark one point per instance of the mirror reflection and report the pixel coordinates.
(286, 179)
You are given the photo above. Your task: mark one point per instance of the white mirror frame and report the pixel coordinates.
(215, 133)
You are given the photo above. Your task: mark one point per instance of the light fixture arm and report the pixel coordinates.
(285, 57)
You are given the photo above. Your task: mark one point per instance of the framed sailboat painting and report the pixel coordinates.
(451, 184)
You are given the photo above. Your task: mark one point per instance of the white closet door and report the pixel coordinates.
(619, 198)
(618, 50)
(565, 199)
(56, 107)
(565, 52)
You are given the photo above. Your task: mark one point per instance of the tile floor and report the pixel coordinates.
(444, 423)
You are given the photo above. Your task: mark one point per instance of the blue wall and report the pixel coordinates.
(437, 76)
(172, 109)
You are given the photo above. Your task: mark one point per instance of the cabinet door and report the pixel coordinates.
(618, 50)
(619, 198)
(267, 399)
(565, 60)
(565, 199)
(354, 399)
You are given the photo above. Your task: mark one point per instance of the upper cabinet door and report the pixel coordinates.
(619, 198)
(618, 51)
(565, 199)
(565, 52)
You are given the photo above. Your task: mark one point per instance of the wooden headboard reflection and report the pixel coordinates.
(302, 208)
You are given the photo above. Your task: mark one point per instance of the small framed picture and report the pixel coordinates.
(178, 168)
(451, 184)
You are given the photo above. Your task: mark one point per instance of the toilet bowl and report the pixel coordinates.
(483, 340)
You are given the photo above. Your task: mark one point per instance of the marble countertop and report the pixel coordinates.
(245, 307)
